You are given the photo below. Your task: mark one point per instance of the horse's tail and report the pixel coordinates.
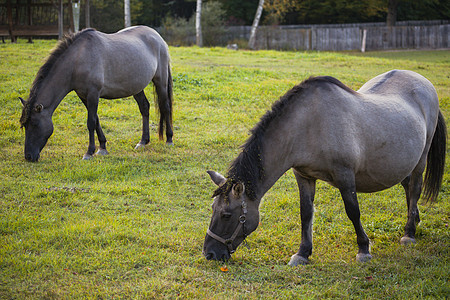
(165, 106)
(436, 161)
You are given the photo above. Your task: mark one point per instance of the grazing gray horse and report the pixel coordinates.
(364, 141)
(98, 65)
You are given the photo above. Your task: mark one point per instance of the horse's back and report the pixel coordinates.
(138, 45)
(409, 91)
(121, 64)
(380, 132)
(147, 35)
(403, 112)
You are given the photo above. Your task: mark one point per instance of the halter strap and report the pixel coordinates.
(229, 242)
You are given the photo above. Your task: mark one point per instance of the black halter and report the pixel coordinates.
(229, 242)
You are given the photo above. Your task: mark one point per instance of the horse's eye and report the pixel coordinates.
(226, 215)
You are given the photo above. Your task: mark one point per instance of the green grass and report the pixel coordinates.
(132, 224)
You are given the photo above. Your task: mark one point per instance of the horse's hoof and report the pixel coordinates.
(102, 152)
(139, 146)
(297, 260)
(169, 144)
(363, 257)
(87, 157)
(406, 240)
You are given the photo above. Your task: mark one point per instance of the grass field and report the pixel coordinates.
(132, 224)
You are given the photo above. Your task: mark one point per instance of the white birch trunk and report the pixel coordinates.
(198, 24)
(126, 5)
(252, 40)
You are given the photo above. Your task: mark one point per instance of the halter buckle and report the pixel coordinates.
(242, 219)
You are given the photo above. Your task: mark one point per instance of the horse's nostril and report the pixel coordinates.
(28, 157)
(210, 256)
(224, 257)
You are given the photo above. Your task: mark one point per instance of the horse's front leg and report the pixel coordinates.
(101, 138)
(307, 189)
(93, 124)
(347, 187)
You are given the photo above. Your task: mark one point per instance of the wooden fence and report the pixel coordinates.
(340, 37)
(331, 37)
(419, 35)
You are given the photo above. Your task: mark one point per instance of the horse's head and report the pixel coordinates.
(38, 128)
(234, 217)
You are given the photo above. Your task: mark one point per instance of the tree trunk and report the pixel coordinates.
(126, 5)
(87, 14)
(252, 40)
(198, 25)
(60, 20)
(392, 13)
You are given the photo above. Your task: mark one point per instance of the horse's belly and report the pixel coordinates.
(367, 184)
(121, 91)
(127, 76)
(385, 173)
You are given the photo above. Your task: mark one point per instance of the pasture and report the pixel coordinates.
(132, 224)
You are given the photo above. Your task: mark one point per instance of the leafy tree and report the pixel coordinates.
(239, 12)
(108, 15)
(213, 21)
(423, 10)
(353, 11)
(278, 9)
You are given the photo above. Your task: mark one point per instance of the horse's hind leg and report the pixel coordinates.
(143, 108)
(413, 186)
(307, 191)
(163, 86)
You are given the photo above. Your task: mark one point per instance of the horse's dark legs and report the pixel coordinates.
(143, 108)
(347, 187)
(307, 191)
(93, 123)
(413, 187)
(164, 105)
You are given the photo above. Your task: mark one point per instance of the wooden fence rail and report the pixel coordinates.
(332, 37)
(351, 38)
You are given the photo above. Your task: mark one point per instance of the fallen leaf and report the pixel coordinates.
(224, 269)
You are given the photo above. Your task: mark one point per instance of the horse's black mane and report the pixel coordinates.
(43, 72)
(247, 167)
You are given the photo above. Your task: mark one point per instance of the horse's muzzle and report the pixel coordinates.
(220, 255)
(32, 157)
(214, 250)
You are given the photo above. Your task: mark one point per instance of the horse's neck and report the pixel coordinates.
(276, 159)
(54, 88)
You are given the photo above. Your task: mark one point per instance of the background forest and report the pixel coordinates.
(107, 15)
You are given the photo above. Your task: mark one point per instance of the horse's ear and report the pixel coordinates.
(38, 108)
(238, 189)
(22, 101)
(217, 178)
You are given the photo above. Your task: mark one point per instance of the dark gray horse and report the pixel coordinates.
(364, 141)
(98, 65)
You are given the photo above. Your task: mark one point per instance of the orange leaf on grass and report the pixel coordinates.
(224, 269)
